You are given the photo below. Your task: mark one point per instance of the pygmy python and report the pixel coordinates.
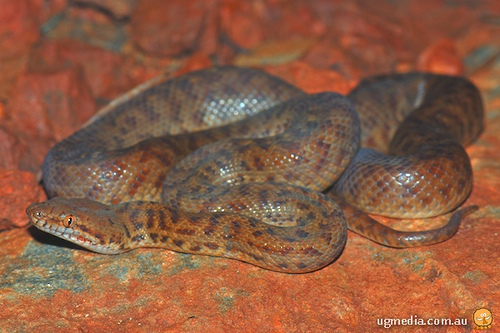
(234, 162)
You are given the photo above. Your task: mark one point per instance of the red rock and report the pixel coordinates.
(312, 79)
(10, 148)
(168, 27)
(45, 10)
(107, 74)
(274, 52)
(119, 9)
(18, 31)
(240, 23)
(441, 57)
(19, 28)
(327, 54)
(51, 104)
(435, 21)
(247, 24)
(195, 62)
(85, 23)
(208, 41)
(299, 20)
(378, 60)
(17, 193)
(24, 151)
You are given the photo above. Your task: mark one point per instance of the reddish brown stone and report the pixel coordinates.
(119, 9)
(247, 24)
(441, 57)
(89, 24)
(18, 31)
(47, 9)
(240, 24)
(107, 74)
(51, 104)
(327, 54)
(311, 79)
(19, 28)
(10, 148)
(169, 27)
(19, 189)
(196, 62)
(275, 52)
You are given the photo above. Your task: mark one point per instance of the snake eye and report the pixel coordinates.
(69, 221)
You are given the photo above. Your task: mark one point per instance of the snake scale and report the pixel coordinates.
(234, 162)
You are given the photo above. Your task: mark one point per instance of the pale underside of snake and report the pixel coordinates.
(236, 163)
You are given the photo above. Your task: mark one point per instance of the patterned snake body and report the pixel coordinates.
(230, 162)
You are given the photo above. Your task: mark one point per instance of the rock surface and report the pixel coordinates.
(62, 60)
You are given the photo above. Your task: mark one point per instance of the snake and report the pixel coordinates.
(234, 162)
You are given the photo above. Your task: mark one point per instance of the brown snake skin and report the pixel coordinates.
(231, 162)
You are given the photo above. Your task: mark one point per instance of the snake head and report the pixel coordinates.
(83, 222)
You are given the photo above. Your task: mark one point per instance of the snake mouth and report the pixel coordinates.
(61, 232)
(73, 236)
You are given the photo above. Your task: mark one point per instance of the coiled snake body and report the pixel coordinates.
(232, 161)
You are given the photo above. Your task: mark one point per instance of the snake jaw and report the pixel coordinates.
(54, 226)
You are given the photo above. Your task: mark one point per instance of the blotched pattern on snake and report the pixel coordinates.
(234, 162)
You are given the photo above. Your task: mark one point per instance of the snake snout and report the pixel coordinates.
(34, 212)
